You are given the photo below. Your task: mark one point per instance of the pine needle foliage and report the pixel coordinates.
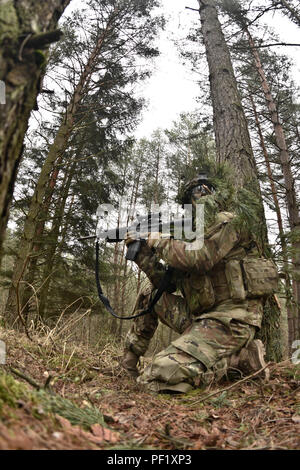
(12, 391)
(242, 201)
(84, 417)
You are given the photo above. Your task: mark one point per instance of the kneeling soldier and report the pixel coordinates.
(217, 308)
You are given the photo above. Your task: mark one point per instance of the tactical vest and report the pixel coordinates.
(242, 275)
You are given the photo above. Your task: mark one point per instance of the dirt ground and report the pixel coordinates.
(59, 396)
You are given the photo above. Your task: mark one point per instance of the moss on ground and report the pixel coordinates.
(44, 403)
(11, 391)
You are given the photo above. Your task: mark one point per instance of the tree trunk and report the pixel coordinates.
(232, 135)
(125, 287)
(290, 308)
(231, 129)
(157, 169)
(37, 248)
(123, 293)
(32, 222)
(272, 184)
(289, 182)
(21, 71)
(53, 241)
(55, 153)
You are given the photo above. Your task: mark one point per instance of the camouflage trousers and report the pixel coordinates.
(198, 357)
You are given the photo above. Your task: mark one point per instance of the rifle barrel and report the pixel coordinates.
(144, 226)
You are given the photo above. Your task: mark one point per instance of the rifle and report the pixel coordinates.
(151, 223)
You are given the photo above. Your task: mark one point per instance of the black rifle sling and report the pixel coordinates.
(165, 282)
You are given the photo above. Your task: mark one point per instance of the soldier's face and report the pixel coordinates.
(199, 192)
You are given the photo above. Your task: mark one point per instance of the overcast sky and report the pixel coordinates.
(172, 89)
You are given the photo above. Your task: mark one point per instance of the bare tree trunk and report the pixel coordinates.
(272, 184)
(289, 181)
(289, 306)
(37, 247)
(32, 222)
(23, 24)
(157, 168)
(231, 129)
(53, 241)
(55, 153)
(232, 134)
(124, 262)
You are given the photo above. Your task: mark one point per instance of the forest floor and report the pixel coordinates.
(59, 396)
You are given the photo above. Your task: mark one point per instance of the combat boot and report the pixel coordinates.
(129, 363)
(250, 360)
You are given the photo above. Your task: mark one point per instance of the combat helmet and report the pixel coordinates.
(200, 185)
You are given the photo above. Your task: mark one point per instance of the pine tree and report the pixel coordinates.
(27, 29)
(234, 9)
(233, 142)
(288, 8)
(230, 125)
(99, 79)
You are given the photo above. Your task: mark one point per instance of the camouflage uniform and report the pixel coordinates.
(211, 308)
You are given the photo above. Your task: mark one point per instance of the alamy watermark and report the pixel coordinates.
(2, 352)
(296, 354)
(167, 221)
(2, 93)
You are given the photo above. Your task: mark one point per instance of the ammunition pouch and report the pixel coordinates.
(260, 276)
(234, 277)
(251, 277)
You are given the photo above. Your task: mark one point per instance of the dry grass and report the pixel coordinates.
(252, 415)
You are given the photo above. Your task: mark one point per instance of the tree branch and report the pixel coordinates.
(193, 9)
(270, 45)
(27, 378)
(43, 39)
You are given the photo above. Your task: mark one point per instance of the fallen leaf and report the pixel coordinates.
(212, 440)
(65, 423)
(100, 434)
(128, 404)
(105, 433)
(109, 418)
(122, 418)
(232, 442)
(296, 419)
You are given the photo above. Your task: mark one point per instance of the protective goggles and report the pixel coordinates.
(202, 190)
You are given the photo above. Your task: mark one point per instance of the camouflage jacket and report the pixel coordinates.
(200, 274)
